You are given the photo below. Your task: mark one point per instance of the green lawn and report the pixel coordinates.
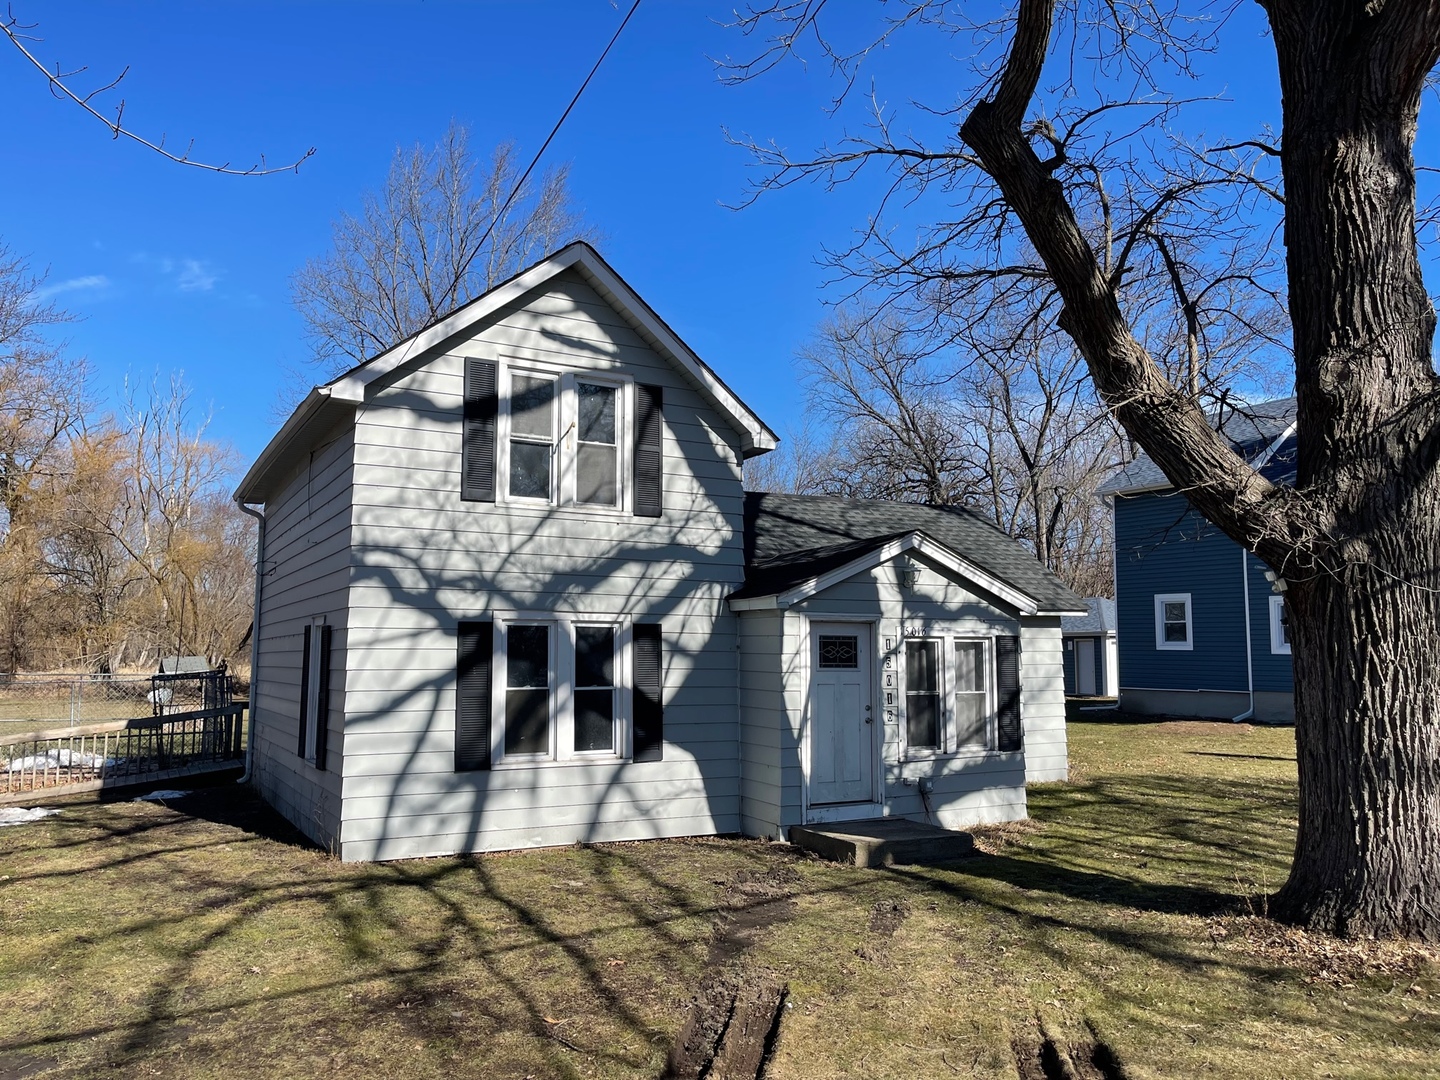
(203, 940)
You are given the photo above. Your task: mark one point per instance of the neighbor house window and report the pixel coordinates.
(1173, 624)
(532, 437)
(922, 694)
(957, 693)
(1279, 626)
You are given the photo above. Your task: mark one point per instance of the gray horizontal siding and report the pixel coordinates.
(424, 559)
(305, 575)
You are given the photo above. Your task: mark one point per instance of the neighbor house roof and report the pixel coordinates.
(325, 406)
(1263, 434)
(1099, 618)
(795, 543)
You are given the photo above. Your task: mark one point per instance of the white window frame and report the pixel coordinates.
(570, 434)
(312, 691)
(1188, 645)
(987, 662)
(503, 435)
(561, 750)
(949, 733)
(1278, 645)
(564, 472)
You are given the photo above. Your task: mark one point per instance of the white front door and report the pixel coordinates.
(842, 743)
(1085, 666)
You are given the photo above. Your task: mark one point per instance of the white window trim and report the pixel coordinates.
(949, 735)
(562, 680)
(1278, 645)
(506, 385)
(312, 691)
(565, 436)
(1188, 645)
(992, 719)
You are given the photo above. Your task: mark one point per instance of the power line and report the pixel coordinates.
(546, 144)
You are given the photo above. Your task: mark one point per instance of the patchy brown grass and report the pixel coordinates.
(1123, 925)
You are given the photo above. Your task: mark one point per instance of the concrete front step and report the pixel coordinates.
(883, 842)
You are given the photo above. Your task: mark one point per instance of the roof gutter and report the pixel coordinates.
(314, 401)
(259, 516)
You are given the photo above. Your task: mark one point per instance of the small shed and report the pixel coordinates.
(1091, 652)
(185, 665)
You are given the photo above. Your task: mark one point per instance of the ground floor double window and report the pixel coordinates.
(557, 688)
(961, 694)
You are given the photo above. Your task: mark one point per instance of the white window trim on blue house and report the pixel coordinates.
(1278, 643)
(1161, 599)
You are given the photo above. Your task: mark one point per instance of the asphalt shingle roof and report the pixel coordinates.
(1251, 429)
(790, 539)
(1099, 618)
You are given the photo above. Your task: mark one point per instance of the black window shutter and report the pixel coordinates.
(322, 707)
(472, 696)
(477, 466)
(649, 707)
(1007, 682)
(649, 450)
(304, 688)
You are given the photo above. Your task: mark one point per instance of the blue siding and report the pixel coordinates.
(1272, 670)
(1068, 653)
(1163, 546)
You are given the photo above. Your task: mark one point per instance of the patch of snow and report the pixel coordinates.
(21, 815)
(60, 759)
(160, 796)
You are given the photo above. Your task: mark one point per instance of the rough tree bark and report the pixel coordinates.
(1358, 538)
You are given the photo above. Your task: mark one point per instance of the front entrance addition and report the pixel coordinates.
(842, 745)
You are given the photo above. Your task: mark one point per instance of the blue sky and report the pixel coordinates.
(171, 268)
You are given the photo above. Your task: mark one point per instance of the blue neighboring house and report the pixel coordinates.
(1201, 633)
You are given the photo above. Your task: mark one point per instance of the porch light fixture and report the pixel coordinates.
(909, 574)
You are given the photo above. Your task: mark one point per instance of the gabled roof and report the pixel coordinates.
(326, 405)
(796, 545)
(1099, 618)
(1263, 434)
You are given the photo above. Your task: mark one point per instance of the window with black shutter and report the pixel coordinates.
(477, 467)
(314, 693)
(649, 693)
(649, 450)
(1011, 736)
(472, 696)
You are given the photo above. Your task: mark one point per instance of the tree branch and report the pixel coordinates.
(60, 88)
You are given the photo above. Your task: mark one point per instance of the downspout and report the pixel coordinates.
(1248, 714)
(258, 515)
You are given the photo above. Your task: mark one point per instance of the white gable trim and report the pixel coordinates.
(756, 438)
(920, 544)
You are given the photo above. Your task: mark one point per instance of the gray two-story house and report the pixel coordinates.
(511, 592)
(1201, 631)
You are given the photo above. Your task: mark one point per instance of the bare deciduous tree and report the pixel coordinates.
(999, 418)
(431, 239)
(1063, 94)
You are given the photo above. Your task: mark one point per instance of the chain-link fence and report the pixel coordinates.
(39, 702)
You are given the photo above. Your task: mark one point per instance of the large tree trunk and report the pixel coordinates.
(1366, 621)
(1358, 540)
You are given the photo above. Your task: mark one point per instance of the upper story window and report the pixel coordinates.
(532, 437)
(1174, 626)
(1279, 626)
(559, 438)
(597, 451)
